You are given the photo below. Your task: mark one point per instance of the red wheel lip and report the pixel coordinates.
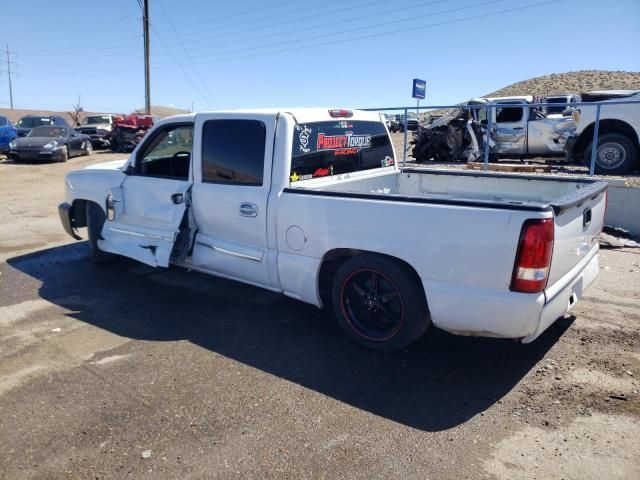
(348, 320)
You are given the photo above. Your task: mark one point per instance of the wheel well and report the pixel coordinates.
(334, 259)
(606, 126)
(78, 216)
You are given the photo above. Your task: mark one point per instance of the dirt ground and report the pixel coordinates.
(121, 371)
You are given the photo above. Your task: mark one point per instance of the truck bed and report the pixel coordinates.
(577, 205)
(526, 192)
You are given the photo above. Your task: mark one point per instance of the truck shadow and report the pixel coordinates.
(438, 383)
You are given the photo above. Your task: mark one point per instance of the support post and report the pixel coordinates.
(9, 75)
(404, 146)
(488, 139)
(147, 82)
(594, 143)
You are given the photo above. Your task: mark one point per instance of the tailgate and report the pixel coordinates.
(579, 217)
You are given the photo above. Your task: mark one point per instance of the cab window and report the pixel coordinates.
(167, 154)
(343, 146)
(508, 114)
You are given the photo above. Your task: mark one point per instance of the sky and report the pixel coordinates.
(351, 53)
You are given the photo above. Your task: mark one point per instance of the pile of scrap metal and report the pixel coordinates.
(129, 130)
(453, 136)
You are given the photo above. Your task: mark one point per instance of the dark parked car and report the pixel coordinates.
(26, 123)
(7, 133)
(50, 143)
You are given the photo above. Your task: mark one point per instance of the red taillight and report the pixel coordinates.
(531, 271)
(340, 113)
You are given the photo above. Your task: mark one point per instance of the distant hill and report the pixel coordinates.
(16, 114)
(572, 82)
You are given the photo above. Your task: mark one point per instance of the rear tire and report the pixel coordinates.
(615, 155)
(95, 221)
(379, 303)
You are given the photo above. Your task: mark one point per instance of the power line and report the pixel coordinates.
(328, 24)
(268, 17)
(356, 29)
(186, 51)
(291, 20)
(381, 34)
(177, 62)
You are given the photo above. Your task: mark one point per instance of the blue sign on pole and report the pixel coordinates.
(419, 88)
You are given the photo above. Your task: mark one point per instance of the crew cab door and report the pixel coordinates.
(511, 128)
(232, 179)
(145, 213)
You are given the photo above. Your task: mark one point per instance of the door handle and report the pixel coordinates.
(248, 210)
(518, 128)
(177, 198)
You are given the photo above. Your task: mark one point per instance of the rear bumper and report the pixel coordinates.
(65, 211)
(580, 278)
(483, 312)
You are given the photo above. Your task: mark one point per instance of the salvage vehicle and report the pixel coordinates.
(310, 203)
(50, 143)
(129, 130)
(518, 130)
(618, 132)
(26, 123)
(99, 128)
(7, 133)
(562, 101)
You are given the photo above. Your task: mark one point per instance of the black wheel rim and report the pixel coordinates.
(372, 305)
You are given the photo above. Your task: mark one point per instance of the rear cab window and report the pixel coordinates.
(338, 147)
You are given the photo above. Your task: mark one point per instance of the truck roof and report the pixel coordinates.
(301, 114)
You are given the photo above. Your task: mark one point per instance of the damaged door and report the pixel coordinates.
(511, 129)
(147, 212)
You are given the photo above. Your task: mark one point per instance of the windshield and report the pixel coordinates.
(30, 122)
(96, 120)
(51, 132)
(342, 146)
(560, 108)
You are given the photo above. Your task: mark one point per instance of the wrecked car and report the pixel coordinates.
(129, 130)
(99, 128)
(518, 130)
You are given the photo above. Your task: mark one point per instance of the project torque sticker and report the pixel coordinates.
(347, 140)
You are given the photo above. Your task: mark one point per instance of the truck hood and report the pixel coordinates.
(602, 95)
(111, 165)
(103, 126)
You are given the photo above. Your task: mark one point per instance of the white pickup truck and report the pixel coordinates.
(311, 203)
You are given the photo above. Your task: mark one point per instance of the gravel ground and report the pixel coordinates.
(122, 371)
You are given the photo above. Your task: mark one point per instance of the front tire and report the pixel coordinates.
(88, 148)
(64, 156)
(379, 302)
(95, 221)
(615, 155)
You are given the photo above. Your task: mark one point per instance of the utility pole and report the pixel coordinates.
(147, 83)
(9, 62)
